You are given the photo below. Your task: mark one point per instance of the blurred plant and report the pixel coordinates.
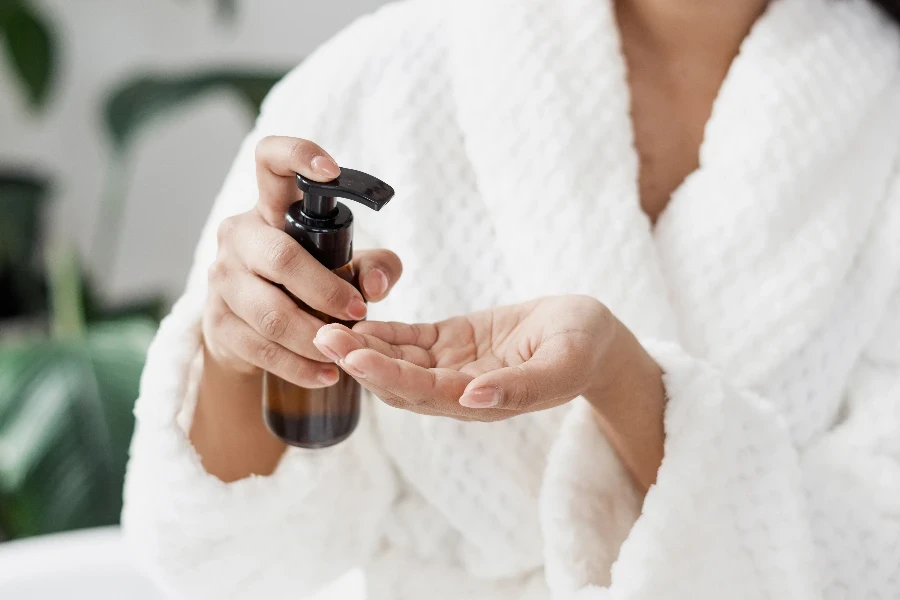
(227, 8)
(68, 378)
(30, 48)
(22, 197)
(65, 414)
(68, 384)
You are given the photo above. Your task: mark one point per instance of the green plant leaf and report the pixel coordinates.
(134, 104)
(66, 294)
(96, 310)
(22, 202)
(65, 425)
(31, 49)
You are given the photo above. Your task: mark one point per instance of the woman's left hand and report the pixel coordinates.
(488, 365)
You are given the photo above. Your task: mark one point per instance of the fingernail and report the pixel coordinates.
(327, 350)
(328, 376)
(376, 283)
(355, 371)
(357, 309)
(325, 166)
(482, 398)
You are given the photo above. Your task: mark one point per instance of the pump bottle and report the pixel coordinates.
(317, 418)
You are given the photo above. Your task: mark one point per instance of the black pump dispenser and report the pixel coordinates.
(319, 201)
(317, 418)
(324, 226)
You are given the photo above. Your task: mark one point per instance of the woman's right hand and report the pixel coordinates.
(249, 323)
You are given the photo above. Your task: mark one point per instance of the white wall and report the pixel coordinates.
(179, 163)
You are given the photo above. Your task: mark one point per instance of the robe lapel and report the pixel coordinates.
(758, 242)
(542, 97)
(754, 246)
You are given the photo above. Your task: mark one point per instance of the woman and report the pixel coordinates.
(682, 278)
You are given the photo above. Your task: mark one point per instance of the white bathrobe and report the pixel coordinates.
(768, 291)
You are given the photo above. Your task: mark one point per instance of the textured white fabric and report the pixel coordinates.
(769, 292)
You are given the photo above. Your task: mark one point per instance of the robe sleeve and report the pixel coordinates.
(737, 510)
(320, 512)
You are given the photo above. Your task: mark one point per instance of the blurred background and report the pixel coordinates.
(118, 122)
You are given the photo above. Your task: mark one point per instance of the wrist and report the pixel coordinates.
(228, 431)
(620, 364)
(235, 392)
(235, 370)
(628, 397)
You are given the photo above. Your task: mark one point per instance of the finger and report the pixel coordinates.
(395, 401)
(350, 344)
(542, 380)
(248, 345)
(423, 335)
(277, 257)
(272, 314)
(336, 342)
(378, 271)
(412, 383)
(278, 160)
(410, 387)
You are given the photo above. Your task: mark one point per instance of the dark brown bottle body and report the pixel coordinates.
(313, 418)
(318, 418)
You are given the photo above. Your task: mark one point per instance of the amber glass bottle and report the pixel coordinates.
(313, 418)
(317, 418)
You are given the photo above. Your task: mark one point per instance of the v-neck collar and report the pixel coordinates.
(542, 96)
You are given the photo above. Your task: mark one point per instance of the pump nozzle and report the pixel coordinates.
(324, 226)
(319, 198)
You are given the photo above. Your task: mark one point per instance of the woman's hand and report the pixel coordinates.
(250, 324)
(488, 365)
(499, 363)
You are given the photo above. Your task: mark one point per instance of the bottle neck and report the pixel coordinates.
(329, 241)
(319, 207)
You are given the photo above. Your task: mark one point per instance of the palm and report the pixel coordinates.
(506, 336)
(475, 343)
(564, 334)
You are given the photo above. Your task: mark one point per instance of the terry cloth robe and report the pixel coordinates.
(768, 292)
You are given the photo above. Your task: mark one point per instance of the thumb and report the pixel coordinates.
(550, 376)
(378, 271)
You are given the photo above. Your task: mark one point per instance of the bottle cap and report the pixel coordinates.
(319, 199)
